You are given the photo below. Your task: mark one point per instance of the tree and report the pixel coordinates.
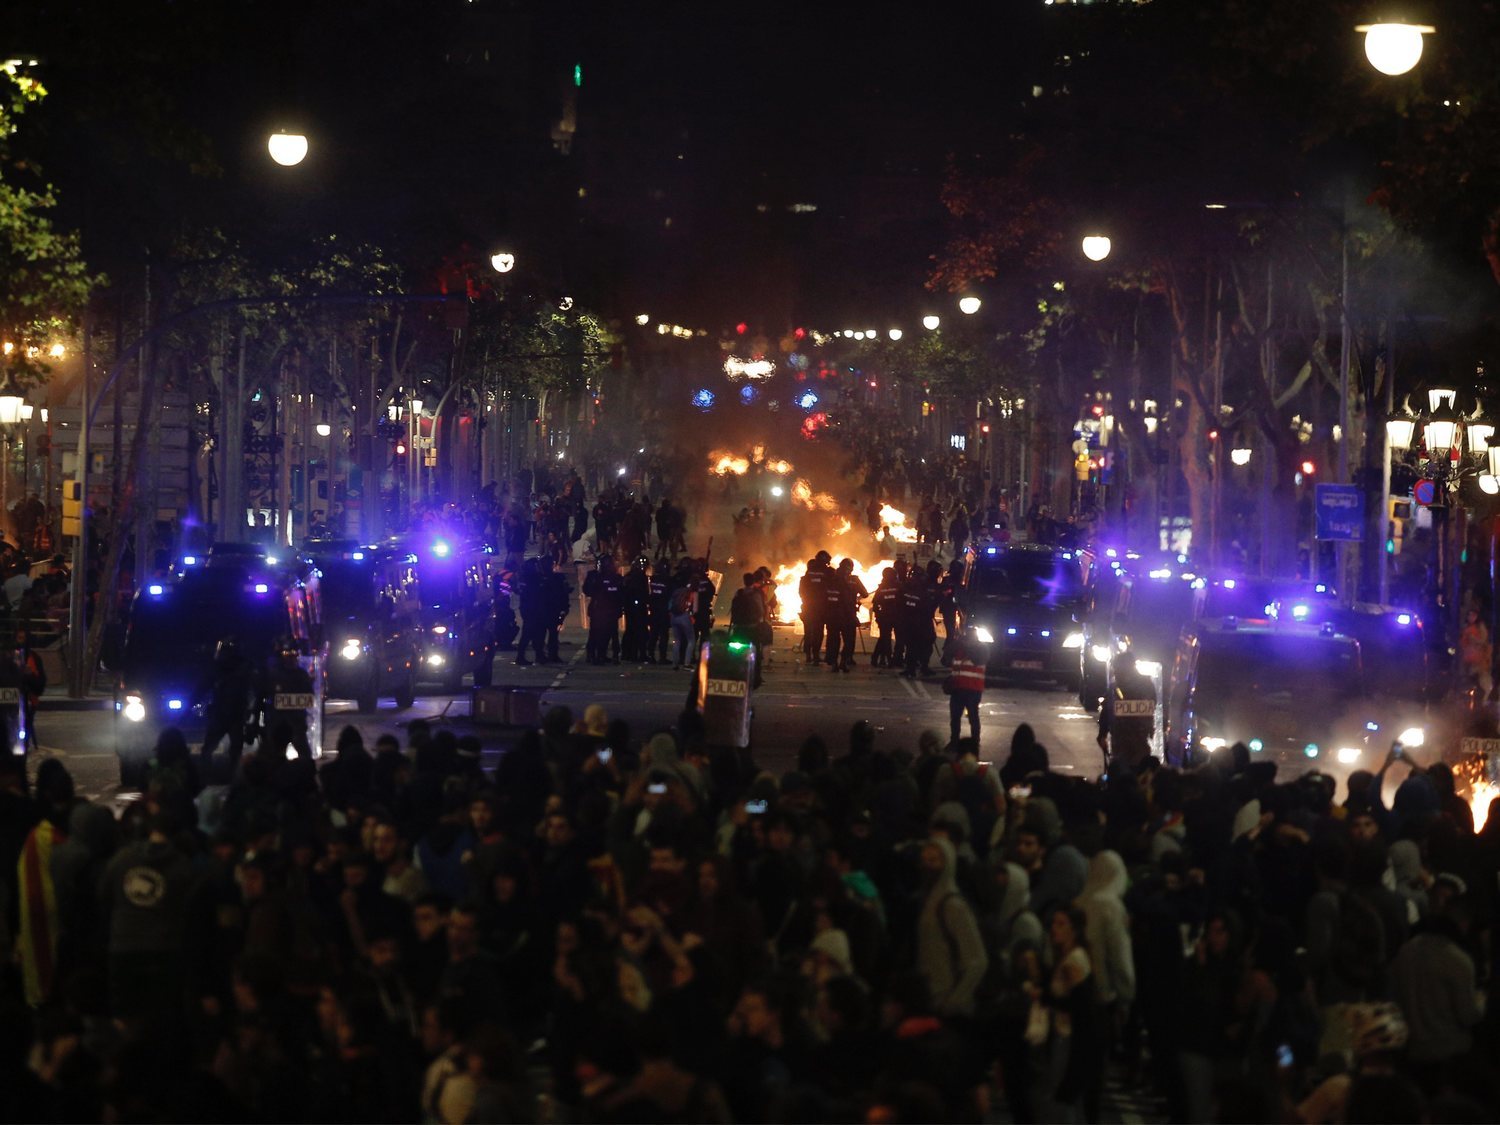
(44, 282)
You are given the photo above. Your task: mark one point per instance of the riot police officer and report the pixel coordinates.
(602, 588)
(228, 690)
(635, 589)
(658, 613)
(948, 587)
(557, 596)
(919, 601)
(532, 591)
(286, 703)
(812, 590)
(1127, 719)
(885, 605)
(844, 592)
(703, 617)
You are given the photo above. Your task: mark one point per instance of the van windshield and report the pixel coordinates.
(1039, 578)
(1260, 665)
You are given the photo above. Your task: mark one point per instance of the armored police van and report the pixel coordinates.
(456, 586)
(1020, 601)
(174, 627)
(372, 615)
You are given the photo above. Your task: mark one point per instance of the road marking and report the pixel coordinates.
(561, 676)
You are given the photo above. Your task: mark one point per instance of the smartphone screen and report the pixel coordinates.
(755, 807)
(657, 787)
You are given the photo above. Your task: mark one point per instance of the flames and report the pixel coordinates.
(803, 494)
(894, 522)
(722, 462)
(1474, 774)
(789, 601)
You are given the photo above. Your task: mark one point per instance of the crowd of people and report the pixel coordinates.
(623, 927)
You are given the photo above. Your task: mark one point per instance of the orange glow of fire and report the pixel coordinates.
(895, 522)
(1472, 774)
(777, 465)
(789, 601)
(721, 463)
(803, 494)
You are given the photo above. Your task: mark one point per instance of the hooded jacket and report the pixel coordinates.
(1108, 929)
(950, 951)
(1012, 923)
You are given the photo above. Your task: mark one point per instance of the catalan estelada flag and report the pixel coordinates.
(38, 937)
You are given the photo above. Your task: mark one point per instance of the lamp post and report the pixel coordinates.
(11, 412)
(1096, 247)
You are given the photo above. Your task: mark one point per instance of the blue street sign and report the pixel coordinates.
(1340, 510)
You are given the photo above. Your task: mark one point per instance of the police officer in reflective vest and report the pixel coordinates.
(965, 685)
(1127, 720)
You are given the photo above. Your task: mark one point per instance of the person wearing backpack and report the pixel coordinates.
(950, 951)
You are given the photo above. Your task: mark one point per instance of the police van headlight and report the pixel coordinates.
(436, 660)
(1210, 743)
(983, 635)
(1148, 667)
(1412, 736)
(1348, 755)
(440, 630)
(134, 709)
(351, 650)
(1073, 640)
(1100, 653)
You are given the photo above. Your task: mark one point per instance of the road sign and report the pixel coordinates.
(1340, 512)
(1424, 492)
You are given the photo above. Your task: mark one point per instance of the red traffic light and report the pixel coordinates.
(741, 328)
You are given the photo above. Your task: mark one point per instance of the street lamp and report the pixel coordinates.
(1394, 47)
(894, 334)
(931, 323)
(1240, 456)
(1400, 430)
(324, 429)
(287, 149)
(1439, 433)
(969, 305)
(504, 261)
(1096, 247)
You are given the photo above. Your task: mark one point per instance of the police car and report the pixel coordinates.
(456, 586)
(1020, 600)
(372, 616)
(1289, 691)
(175, 624)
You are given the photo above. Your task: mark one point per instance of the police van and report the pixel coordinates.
(1020, 600)
(174, 626)
(456, 587)
(1291, 692)
(373, 619)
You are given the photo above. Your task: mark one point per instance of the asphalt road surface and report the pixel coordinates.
(795, 701)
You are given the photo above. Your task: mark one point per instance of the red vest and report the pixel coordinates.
(966, 674)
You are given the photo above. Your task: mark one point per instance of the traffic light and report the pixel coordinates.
(1397, 514)
(72, 510)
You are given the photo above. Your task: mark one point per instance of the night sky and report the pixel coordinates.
(704, 133)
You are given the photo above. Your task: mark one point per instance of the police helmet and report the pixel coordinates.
(823, 557)
(286, 645)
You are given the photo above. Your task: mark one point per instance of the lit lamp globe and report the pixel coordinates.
(1096, 247)
(1394, 48)
(287, 149)
(10, 405)
(930, 323)
(895, 334)
(324, 429)
(969, 305)
(1400, 431)
(503, 262)
(1240, 456)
